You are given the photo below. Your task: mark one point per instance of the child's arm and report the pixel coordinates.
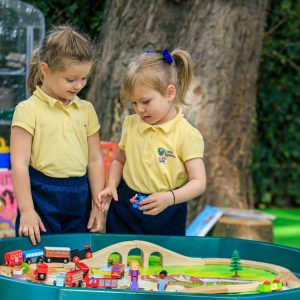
(30, 222)
(96, 175)
(196, 186)
(114, 178)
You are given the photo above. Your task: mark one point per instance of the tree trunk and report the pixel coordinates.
(224, 38)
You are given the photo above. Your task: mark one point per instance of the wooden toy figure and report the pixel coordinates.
(162, 282)
(134, 274)
(17, 273)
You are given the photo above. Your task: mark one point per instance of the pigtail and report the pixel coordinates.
(35, 77)
(183, 65)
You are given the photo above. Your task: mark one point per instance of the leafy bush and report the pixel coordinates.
(276, 167)
(85, 15)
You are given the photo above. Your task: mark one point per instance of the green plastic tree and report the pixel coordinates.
(235, 263)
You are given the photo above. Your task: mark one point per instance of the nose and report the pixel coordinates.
(140, 108)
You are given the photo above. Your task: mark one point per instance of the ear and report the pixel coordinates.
(171, 92)
(44, 68)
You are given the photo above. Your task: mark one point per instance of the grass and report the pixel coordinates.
(208, 271)
(286, 226)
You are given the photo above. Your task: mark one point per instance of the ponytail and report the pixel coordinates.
(158, 69)
(35, 77)
(183, 65)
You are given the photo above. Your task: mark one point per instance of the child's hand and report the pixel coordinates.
(156, 203)
(30, 225)
(105, 197)
(96, 219)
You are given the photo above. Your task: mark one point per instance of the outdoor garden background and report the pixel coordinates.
(259, 113)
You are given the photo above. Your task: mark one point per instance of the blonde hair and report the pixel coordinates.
(60, 43)
(134, 264)
(151, 69)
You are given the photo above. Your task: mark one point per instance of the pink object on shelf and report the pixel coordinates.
(8, 204)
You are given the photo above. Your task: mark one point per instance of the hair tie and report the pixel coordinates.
(167, 56)
(148, 51)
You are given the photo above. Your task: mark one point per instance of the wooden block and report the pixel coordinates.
(249, 229)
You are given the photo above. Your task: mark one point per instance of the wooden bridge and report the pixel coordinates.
(168, 257)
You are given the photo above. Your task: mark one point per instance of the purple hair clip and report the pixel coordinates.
(167, 56)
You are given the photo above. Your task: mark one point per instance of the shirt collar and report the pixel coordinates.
(52, 101)
(166, 127)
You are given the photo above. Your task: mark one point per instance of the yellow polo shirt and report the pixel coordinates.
(59, 145)
(155, 154)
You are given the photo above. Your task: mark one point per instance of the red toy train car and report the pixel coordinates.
(41, 272)
(106, 283)
(13, 258)
(117, 271)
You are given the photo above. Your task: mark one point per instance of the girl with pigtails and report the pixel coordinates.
(57, 166)
(160, 156)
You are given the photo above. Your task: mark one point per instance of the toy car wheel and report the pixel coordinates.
(54, 282)
(6, 262)
(41, 276)
(66, 260)
(76, 259)
(88, 255)
(29, 261)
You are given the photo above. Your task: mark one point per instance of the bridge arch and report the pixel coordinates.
(168, 257)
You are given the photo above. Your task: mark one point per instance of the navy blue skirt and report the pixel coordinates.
(122, 217)
(63, 204)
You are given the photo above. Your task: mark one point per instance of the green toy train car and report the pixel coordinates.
(267, 286)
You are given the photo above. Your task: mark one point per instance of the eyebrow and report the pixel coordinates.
(142, 99)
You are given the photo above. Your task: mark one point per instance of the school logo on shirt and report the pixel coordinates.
(161, 151)
(164, 154)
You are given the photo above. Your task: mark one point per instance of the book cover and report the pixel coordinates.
(204, 221)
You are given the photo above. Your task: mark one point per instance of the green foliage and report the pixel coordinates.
(84, 15)
(276, 161)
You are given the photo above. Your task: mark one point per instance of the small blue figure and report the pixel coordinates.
(162, 282)
(136, 199)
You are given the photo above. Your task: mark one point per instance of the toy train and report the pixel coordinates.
(267, 286)
(17, 257)
(79, 277)
(41, 272)
(49, 254)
